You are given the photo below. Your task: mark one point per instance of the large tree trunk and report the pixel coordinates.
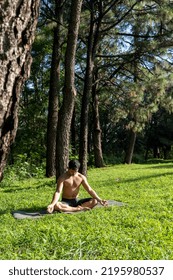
(66, 111)
(53, 94)
(18, 24)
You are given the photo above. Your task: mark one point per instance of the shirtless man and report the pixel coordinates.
(69, 184)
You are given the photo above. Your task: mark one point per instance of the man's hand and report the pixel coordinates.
(50, 208)
(103, 202)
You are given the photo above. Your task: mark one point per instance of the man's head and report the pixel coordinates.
(74, 165)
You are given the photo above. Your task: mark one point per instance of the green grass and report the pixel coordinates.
(140, 230)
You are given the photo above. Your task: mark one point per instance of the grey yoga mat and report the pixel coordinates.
(21, 214)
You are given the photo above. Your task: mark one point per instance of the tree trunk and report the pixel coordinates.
(130, 150)
(53, 95)
(98, 156)
(132, 136)
(66, 111)
(83, 148)
(156, 151)
(17, 30)
(73, 134)
(91, 50)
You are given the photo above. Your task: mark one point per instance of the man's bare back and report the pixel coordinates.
(68, 185)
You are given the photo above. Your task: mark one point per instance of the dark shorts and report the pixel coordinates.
(75, 202)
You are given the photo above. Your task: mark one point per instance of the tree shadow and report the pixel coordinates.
(3, 212)
(16, 188)
(146, 177)
(162, 166)
(119, 181)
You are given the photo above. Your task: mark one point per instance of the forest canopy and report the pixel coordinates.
(100, 87)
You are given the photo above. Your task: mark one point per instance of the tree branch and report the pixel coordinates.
(119, 20)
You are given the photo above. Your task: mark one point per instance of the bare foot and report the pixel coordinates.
(81, 208)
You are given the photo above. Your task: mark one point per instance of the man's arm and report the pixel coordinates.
(56, 197)
(92, 192)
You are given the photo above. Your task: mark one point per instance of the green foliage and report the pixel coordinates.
(142, 229)
(24, 168)
(134, 75)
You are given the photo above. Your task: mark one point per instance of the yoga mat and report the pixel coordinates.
(21, 214)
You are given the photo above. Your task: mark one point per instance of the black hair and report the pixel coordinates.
(74, 164)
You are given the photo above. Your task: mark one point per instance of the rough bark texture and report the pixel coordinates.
(18, 19)
(66, 111)
(97, 132)
(53, 94)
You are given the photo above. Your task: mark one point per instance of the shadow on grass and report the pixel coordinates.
(31, 209)
(147, 177)
(162, 166)
(3, 212)
(158, 161)
(118, 181)
(17, 188)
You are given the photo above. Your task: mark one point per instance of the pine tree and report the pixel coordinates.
(18, 24)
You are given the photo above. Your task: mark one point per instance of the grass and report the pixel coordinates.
(141, 230)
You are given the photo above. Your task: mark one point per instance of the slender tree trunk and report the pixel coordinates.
(156, 151)
(98, 156)
(73, 133)
(17, 30)
(83, 148)
(90, 134)
(66, 111)
(92, 47)
(53, 94)
(132, 134)
(130, 150)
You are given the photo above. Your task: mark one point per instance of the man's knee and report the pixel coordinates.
(58, 207)
(94, 202)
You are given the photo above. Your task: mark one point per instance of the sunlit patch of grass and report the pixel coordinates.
(142, 229)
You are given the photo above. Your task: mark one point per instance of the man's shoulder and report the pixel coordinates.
(81, 176)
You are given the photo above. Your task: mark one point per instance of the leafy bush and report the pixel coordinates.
(23, 169)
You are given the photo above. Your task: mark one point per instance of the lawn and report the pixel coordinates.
(140, 230)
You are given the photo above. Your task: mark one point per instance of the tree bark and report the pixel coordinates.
(53, 94)
(98, 156)
(66, 111)
(18, 24)
(91, 51)
(74, 134)
(134, 106)
(130, 150)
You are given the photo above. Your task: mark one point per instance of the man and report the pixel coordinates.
(69, 184)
